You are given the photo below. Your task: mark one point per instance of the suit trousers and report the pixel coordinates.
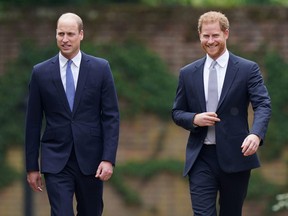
(62, 187)
(208, 181)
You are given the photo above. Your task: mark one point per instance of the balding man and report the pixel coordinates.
(74, 94)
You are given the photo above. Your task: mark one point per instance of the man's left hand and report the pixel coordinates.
(104, 171)
(250, 145)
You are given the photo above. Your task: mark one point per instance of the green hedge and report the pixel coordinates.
(143, 171)
(143, 81)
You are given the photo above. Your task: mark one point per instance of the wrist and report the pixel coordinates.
(193, 122)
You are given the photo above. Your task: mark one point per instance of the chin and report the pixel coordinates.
(212, 55)
(66, 51)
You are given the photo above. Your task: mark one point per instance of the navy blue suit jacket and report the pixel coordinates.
(243, 84)
(92, 127)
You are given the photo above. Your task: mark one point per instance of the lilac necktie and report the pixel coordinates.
(212, 101)
(70, 87)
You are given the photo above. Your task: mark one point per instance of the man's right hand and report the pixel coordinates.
(35, 180)
(206, 119)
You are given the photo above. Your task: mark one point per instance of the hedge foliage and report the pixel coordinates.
(194, 3)
(143, 81)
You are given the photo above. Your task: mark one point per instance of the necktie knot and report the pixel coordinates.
(69, 62)
(213, 64)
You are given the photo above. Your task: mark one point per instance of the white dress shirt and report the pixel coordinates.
(221, 68)
(75, 67)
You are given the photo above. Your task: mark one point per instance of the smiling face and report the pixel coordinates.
(213, 39)
(69, 35)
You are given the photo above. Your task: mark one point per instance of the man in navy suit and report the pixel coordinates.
(78, 147)
(221, 148)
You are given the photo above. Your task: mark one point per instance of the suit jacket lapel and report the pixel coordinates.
(231, 72)
(199, 83)
(55, 71)
(83, 73)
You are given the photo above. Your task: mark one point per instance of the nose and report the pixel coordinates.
(211, 39)
(65, 38)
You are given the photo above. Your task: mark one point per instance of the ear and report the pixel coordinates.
(81, 35)
(226, 33)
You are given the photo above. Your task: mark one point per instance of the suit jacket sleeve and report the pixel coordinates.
(260, 102)
(181, 114)
(110, 117)
(34, 116)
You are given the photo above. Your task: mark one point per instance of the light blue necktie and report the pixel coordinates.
(70, 87)
(212, 101)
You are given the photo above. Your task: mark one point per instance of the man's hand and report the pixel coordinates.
(104, 171)
(250, 145)
(206, 119)
(35, 180)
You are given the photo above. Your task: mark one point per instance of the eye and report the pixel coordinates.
(205, 36)
(70, 34)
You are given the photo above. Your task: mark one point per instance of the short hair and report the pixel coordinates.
(211, 17)
(72, 16)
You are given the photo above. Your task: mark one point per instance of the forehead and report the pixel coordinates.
(210, 27)
(67, 24)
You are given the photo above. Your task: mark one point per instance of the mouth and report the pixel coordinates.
(212, 49)
(212, 46)
(65, 46)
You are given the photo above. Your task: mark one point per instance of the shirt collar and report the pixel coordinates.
(76, 60)
(222, 61)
